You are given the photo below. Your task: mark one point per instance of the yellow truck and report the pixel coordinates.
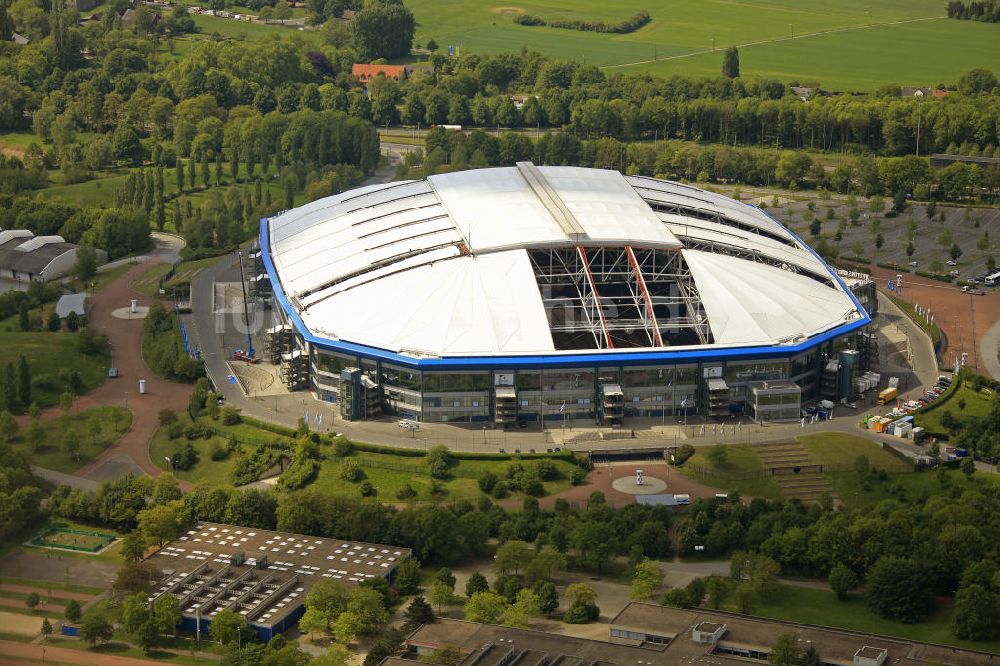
(887, 395)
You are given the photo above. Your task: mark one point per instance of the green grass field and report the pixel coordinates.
(461, 485)
(861, 53)
(739, 458)
(858, 494)
(72, 539)
(94, 430)
(834, 448)
(977, 406)
(47, 353)
(809, 606)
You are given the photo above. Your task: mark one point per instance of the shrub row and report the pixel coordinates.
(631, 24)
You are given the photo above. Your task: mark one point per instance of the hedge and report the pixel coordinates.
(934, 276)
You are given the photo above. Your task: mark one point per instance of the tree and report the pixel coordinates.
(227, 627)
(955, 252)
(879, 241)
(8, 426)
(444, 575)
(476, 583)
(417, 613)
(897, 589)
(46, 628)
(977, 614)
(910, 249)
(786, 650)
(485, 607)
(582, 604)
(167, 613)
(86, 263)
(147, 635)
(96, 628)
(336, 655)
(512, 556)
(519, 613)
(408, 576)
(440, 594)
(968, 466)
(329, 597)
(731, 63)
(135, 612)
(383, 30)
(368, 607)
(546, 562)
(315, 621)
(23, 322)
(977, 81)
(133, 543)
(548, 597)
(32, 600)
(842, 580)
(646, 579)
(163, 522)
(72, 611)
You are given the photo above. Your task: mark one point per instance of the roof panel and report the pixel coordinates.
(753, 303)
(495, 209)
(607, 206)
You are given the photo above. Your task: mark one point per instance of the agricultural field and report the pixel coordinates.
(851, 46)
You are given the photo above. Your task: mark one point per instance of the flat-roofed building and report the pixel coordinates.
(261, 574)
(492, 645)
(680, 636)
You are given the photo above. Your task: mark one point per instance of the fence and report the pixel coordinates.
(703, 472)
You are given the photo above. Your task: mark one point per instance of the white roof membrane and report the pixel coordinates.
(753, 303)
(440, 267)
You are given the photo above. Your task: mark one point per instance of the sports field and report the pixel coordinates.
(850, 45)
(70, 539)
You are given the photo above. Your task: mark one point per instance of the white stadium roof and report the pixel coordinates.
(449, 266)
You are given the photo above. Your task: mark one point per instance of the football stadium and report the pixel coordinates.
(517, 294)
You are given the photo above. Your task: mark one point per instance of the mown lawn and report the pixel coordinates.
(48, 353)
(834, 448)
(740, 458)
(809, 606)
(461, 484)
(93, 430)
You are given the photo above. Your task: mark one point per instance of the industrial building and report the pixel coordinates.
(25, 257)
(260, 574)
(519, 294)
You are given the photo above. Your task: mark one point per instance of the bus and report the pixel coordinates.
(992, 280)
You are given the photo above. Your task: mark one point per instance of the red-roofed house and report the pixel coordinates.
(366, 73)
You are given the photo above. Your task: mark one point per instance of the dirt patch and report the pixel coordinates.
(16, 623)
(508, 10)
(13, 152)
(54, 567)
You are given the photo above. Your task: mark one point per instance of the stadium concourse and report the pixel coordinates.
(517, 296)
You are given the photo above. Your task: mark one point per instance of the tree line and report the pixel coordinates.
(987, 11)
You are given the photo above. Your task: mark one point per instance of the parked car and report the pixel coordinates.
(951, 262)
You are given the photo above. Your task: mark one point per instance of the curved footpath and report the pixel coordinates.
(125, 337)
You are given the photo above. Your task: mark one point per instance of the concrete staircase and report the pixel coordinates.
(806, 485)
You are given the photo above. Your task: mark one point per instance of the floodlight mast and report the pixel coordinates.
(246, 311)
